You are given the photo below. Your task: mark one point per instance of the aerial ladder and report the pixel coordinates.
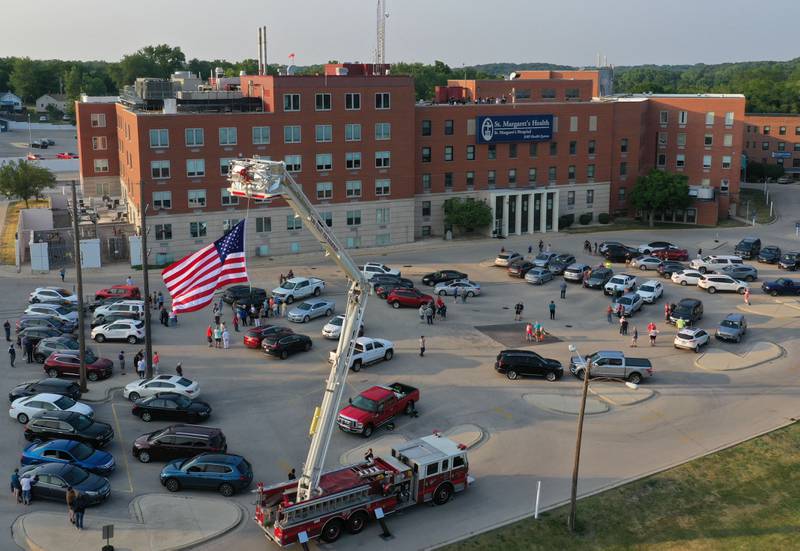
(261, 179)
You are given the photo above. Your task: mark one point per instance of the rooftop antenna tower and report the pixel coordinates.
(380, 49)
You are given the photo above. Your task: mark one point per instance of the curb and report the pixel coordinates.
(781, 355)
(106, 398)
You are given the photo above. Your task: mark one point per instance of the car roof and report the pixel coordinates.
(167, 395)
(518, 352)
(653, 282)
(317, 300)
(53, 382)
(226, 458)
(734, 316)
(46, 396)
(59, 444)
(57, 415)
(53, 468)
(689, 301)
(632, 296)
(193, 430)
(692, 330)
(578, 265)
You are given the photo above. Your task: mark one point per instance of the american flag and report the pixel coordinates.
(192, 280)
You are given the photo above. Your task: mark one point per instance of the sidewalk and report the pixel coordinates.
(160, 522)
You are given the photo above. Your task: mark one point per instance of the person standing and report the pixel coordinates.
(529, 332)
(609, 313)
(680, 323)
(12, 354)
(541, 246)
(667, 311)
(422, 345)
(164, 317)
(624, 324)
(595, 247)
(160, 299)
(422, 313)
(530, 249)
(62, 272)
(518, 308)
(71, 495)
(235, 323)
(156, 361)
(28, 350)
(179, 369)
(217, 337)
(429, 313)
(226, 339)
(563, 289)
(121, 359)
(276, 307)
(538, 330)
(747, 296)
(26, 484)
(16, 487)
(635, 337)
(79, 506)
(141, 367)
(283, 309)
(455, 294)
(210, 336)
(552, 308)
(621, 320)
(7, 329)
(652, 332)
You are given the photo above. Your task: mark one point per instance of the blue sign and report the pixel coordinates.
(781, 155)
(514, 128)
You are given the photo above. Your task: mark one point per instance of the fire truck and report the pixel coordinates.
(325, 504)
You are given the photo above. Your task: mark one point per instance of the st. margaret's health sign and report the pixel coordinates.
(515, 128)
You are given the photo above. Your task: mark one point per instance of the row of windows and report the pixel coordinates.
(449, 125)
(323, 101)
(683, 118)
(680, 161)
(353, 189)
(765, 146)
(768, 129)
(513, 150)
(708, 139)
(513, 178)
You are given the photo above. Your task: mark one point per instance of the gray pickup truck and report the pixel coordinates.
(613, 364)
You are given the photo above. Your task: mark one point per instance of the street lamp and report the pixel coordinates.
(573, 498)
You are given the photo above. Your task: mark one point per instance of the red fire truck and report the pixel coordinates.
(431, 468)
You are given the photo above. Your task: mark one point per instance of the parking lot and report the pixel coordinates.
(525, 428)
(15, 142)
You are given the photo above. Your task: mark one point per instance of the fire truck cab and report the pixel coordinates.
(439, 468)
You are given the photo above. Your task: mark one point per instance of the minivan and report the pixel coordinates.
(714, 262)
(688, 309)
(748, 248)
(178, 441)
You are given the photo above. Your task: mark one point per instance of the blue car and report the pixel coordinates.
(70, 452)
(781, 286)
(226, 473)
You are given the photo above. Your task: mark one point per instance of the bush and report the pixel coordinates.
(585, 218)
(603, 218)
(566, 220)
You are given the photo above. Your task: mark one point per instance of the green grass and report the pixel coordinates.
(758, 207)
(744, 498)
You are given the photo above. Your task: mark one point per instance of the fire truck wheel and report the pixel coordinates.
(367, 432)
(356, 522)
(442, 494)
(332, 530)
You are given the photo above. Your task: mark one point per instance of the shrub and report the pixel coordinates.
(603, 218)
(585, 218)
(566, 220)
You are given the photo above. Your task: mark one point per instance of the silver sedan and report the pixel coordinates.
(311, 309)
(537, 276)
(464, 287)
(646, 263)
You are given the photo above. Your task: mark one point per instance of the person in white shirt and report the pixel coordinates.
(26, 484)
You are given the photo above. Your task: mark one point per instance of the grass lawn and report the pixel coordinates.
(743, 498)
(757, 206)
(10, 228)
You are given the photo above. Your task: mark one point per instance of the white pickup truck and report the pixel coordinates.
(376, 268)
(299, 288)
(368, 351)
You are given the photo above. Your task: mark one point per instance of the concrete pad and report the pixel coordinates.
(719, 359)
(565, 401)
(164, 522)
(513, 334)
(620, 395)
(708, 245)
(774, 310)
(468, 435)
(380, 446)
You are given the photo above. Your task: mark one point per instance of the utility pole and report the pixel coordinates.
(148, 346)
(573, 496)
(79, 272)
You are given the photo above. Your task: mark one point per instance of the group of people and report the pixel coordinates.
(218, 336)
(534, 332)
(431, 310)
(22, 486)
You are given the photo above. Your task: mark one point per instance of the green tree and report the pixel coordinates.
(151, 61)
(28, 79)
(24, 180)
(73, 80)
(467, 214)
(658, 191)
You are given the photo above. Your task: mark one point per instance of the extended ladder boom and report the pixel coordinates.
(262, 179)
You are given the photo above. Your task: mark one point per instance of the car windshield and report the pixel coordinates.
(617, 280)
(61, 310)
(288, 285)
(624, 300)
(337, 321)
(81, 451)
(503, 256)
(82, 422)
(729, 323)
(365, 403)
(563, 258)
(542, 256)
(790, 257)
(647, 288)
(74, 476)
(64, 402)
(184, 382)
(685, 336)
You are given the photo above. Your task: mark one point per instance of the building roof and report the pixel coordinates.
(624, 97)
(57, 97)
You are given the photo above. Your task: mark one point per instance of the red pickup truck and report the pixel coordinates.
(377, 406)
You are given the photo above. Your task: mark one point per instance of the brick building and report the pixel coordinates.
(379, 165)
(773, 139)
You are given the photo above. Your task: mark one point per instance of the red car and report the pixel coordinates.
(66, 155)
(671, 253)
(407, 297)
(256, 335)
(126, 292)
(60, 364)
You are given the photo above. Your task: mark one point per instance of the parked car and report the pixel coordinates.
(408, 297)
(690, 310)
(714, 262)
(630, 302)
(506, 258)
(669, 267)
(648, 248)
(789, 261)
(748, 248)
(719, 282)
(742, 272)
(464, 287)
(443, 276)
(646, 263)
(691, 338)
(52, 294)
(516, 363)
(178, 441)
(605, 245)
(542, 260)
(297, 288)
(121, 330)
(111, 318)
(368, 351)
(781, 286)
(55, 478)
(623, 283)
(671, 253)
(519, 268)
(650, 291)
(613, 364)
(375, 407)
(22, 409)
(333, 329)
(142, 388)
(69, 452)
(732, 328)
(539, 276)
(66, 155)
(36, 334)
(385, 279)
(284, 344)
(560, 263)
(171, 406)
(598, 278)
(621, 254)
(371, 269)
(226, 473)
(256, 335)
(46, 386)
(131, 307)
(62, 327)
(68, 364)
(686, 277)
(575, 272)
(64, 343)
(311, 309)
(244, 295)
(124, 292)
(785, 180)
(770, 254)
(51, 309)
(383, 288)
(51, 425)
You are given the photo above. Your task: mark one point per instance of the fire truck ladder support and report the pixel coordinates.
(262, 179)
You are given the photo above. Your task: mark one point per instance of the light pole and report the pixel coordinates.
(79, 274)
(148, 345)
(30, 135)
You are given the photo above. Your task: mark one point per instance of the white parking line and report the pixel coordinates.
(124, 454)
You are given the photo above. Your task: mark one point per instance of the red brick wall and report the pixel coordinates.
(83, 116)
(754, 138)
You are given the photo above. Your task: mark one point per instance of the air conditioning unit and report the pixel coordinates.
(262, 250)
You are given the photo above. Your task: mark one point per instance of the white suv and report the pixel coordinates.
(374, 268)
(121, 307)
(621, 282)
(52, 294)
(718, 282)
(120, 330)
(714, 262)
(686, 277)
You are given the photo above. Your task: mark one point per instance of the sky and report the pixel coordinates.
(458, 32)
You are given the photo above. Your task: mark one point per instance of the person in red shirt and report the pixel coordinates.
(210, 336)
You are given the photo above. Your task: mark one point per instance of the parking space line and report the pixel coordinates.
(124, 455)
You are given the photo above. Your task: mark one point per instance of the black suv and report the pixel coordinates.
(282, 345)
(50, 425)
(789, 261)
(598, 278)
(615, 253)
(689, 310)
(244, 295)
(770, 254)
(669, 267)
(178, 441)
(48, 386)
(748, 248)
(530, 364)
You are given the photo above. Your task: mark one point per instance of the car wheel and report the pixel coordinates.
(284, 354)
(741, 290)
(551, 376)
(635, 378)
(332, 530)
(52, 373)
(357, 366)
(395, 304)
(307, 347)
(328, 312)
(147, 417)
(144, 457)
(34, 300)
(132, 339)
(99, 337)
(643, 268)
(38, 358)
(172, 485)
(442, 293)
(92, 376)
(226, 490)
(581, 374)
(389, 355)
(409, 409)
(22, 418)
(774, 293)
(133, 396)
(711, 290)
(749, 278)
(702, 269)
(289, 299)
(443, 494)
(317, 291)
(367, 432)
(306, 318)
(356, 522)
(511, 374)
(738, 339)
(684, 283)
